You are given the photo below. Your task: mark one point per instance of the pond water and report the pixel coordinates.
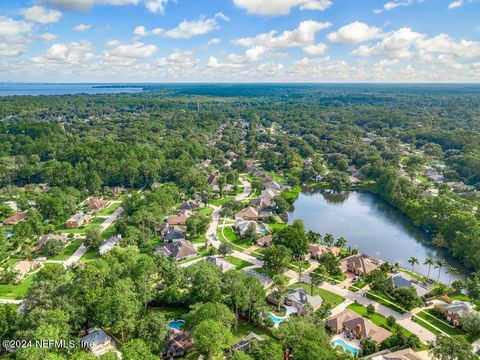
(373, 226)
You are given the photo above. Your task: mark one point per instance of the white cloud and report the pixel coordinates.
(188, 29)
(72, 53)
(136, 50)
(355, 33)
(154, 6)
(280, 7)
(141, 31)
(393, 4)
(82, 27)
(214, 41)
(302, 36)
(14, 36)
(47, 37)
(397, 44)
(317, 49)
(444, 44)
(178, 57)
(455, 4)
(70, 5)
(214, 63)
(41, 15)
(253, 54)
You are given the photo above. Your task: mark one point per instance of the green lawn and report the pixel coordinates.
(274, 227)
(109, 232)
(91, 255)
(239, 263)
(294, 265)
(244, 328)
(81, 230)
(425, 315)
(16, 291)
(360, 284)
(109, 210)
(380, 299)
(377, 319)
(171, 313)
(221, 201)
(292, 194)
(270, 274)
(276, 177)
(206, 211)
(327, 296)
(68, 250)
(231, 236)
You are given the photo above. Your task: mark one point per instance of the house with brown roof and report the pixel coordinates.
(353, 326)
(25, 266)
(405, 354)
(190, 205)
(171, 233)
(46, 238)
(78, 220)
(317, 250)
(454, 311)
(180, 219)
(249, 213)
(16, 218)
(96, 204)
(178, 344)
(179, 250)
(261, 203)
(264, 241)
(360, 264)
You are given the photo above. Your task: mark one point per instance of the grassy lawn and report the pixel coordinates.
(16, 291)
(294, 265)
(425, 315)
(274, 227)
(380, 299)
(81, 230)
(360, 284)
(276, 177)
(108, 232)
(244, 328)
(171, 313)
(90, 255)
(231, 236)
(206, 211)
(221, 201)
(239, 263)
(377, 319)
(109, 210)
(202, 251)
(68, 250)
(292, 194)
(327, 296)
(270, 274)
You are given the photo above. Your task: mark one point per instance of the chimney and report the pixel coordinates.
(358, 331)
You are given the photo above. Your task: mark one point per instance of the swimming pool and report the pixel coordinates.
(345, 346)
(277, 320)
(176, 324)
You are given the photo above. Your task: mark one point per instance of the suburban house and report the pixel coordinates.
(109, 244)
(179, 250)
(25, 266)
(178, 344)
(223, 264)
(16, 218)
(264, 241)
(190, 205)
(269, 194)
(360, 264)
(399, 281)
(405, 354)
(172, 233)
(317, 250)
(249, 213)
(46, 238)
(353, 326)
(96, 204)
(302, 301)
(434, 175)
(245, 226)
(244, 343)
(213, 179)
(273, 185)
(78, 220)
(180, 219)
(355, 181)
(261, 203)
(454, 311)
(98, 342)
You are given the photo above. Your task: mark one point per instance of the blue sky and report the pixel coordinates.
(240, 40)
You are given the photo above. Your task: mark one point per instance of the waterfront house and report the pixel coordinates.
(98, 342)
(273, 185)
(78, 220)
(109, 244)
(317, 250)
(261, 203)
(360, 264)
(16, 218)
(244, 227)
(270, 194)
(353, 326)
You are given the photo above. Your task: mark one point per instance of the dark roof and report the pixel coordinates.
(180, 249)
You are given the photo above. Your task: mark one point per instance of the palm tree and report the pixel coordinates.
(429, 261)
(328, 239)
(452, 271)
(413, 261)
(439, 264)
(316, 279)
(280, 283)
(341, 242)
(314, 237)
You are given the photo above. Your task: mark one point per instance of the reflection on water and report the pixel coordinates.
(372, 225)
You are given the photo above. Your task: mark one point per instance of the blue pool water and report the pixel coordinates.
(176, 324)
(277, 320)
(345, 346)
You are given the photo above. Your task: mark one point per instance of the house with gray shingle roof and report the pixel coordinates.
(98, 342)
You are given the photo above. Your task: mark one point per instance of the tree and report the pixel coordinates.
(391, 321)
(204, 311)
(330, 262)
(197, 224)
(153, 330)
(225, 248)
(92, 237)
(370, 310)
(439, 264)
(328, 239)
(266, 350)
(452, 348)
(452, 271)
(430, 262)
(313, 237)
(211, 338)
(316, 279)
(52, 247)
(280, 284)
(240, 355)
(205, 279)
(413, 261)
(137, 349)
(471, 323)
(407, 297)
(292, 237)
(369, 347)
(458, 285)
(276, 258)
(341, 242)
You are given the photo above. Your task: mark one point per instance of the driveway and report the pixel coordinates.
(247, 189)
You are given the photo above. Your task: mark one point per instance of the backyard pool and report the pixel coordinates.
(345, 346)
(176, 324)
(277, 320)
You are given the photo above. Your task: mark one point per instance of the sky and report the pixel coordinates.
(434, 41)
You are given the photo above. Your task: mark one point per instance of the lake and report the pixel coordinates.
(10, 89)
(371, 225)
